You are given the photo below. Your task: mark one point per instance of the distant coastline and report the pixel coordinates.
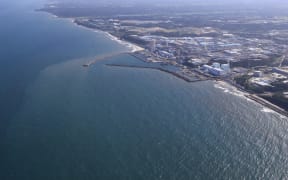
(132, 47)
(129, 45)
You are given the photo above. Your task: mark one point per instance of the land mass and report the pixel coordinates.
(245, 48)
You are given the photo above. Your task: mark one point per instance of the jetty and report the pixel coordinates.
(103, 57)
(195, 78)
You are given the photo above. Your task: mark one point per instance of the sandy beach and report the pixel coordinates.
(132, 47)
(227, 88)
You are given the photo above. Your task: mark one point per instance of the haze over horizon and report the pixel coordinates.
(183, 1)
(266, 5)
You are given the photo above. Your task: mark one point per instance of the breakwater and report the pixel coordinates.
(103, 57)
(196, 78)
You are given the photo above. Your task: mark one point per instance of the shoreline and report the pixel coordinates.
(134, 48)
(251, 97)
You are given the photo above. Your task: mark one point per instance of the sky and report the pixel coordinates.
(189, 1)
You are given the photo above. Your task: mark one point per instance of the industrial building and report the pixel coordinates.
(217, 69)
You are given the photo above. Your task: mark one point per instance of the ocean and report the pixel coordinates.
(60, 120)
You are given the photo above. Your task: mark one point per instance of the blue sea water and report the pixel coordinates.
(60, 120)
(30, 41)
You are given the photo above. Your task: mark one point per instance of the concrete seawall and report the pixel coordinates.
(267, 104)
(259, 100)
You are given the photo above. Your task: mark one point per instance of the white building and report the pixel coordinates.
(226, 68)
(213, 71)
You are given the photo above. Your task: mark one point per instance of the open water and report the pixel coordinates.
(61, 121)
